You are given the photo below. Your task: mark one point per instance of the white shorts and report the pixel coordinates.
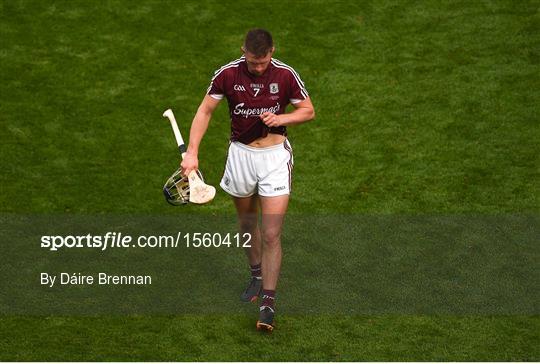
(266, 171)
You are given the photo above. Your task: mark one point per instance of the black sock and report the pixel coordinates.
(256, 271)
(268, 297)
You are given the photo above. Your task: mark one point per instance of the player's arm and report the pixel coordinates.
(197, 131)
(303, 111)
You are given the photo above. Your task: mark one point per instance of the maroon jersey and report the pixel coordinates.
(249, 96)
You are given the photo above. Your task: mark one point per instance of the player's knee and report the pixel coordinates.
(271, 238)
(248, 226)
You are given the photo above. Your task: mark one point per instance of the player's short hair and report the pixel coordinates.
(259, 42)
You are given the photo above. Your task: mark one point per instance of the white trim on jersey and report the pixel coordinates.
(279, 64)
(277, 61)
(231, 64)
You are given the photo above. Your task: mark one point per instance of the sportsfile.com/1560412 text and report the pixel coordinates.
(120, 240)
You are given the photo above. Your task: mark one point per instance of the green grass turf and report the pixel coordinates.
(299, 338)
(422, 107)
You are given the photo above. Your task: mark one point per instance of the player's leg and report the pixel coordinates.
(273, 213)
(247, 209)
(274, 189)
(240, 181)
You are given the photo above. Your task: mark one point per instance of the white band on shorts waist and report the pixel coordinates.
(259, 150)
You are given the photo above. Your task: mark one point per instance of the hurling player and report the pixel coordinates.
(258, 172)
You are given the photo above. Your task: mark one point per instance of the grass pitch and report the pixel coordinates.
(422, 108)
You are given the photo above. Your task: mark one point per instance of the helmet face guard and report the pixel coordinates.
(176, 189)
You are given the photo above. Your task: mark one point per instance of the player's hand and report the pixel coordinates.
(271, 119)
(189, 163)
